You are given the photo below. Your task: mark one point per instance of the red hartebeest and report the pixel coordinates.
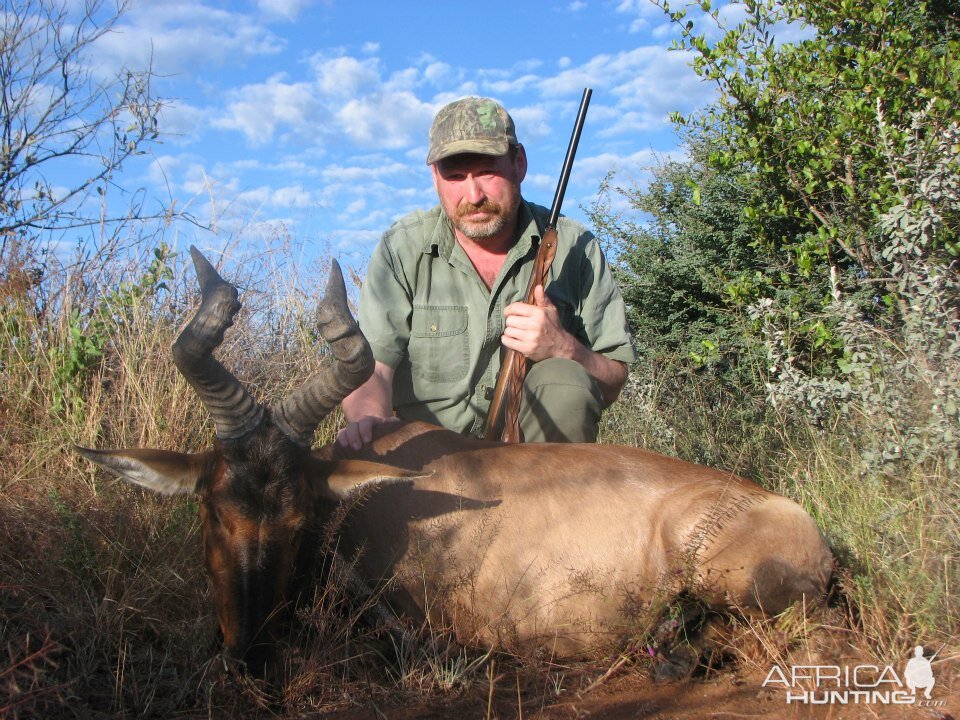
(508, 545)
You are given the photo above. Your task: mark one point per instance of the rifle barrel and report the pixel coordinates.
(568, 160)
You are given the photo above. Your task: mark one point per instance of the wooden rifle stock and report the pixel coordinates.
(513, 369)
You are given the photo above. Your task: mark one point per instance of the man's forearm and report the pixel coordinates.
(611, 375)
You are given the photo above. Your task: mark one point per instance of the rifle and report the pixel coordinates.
(513, 370)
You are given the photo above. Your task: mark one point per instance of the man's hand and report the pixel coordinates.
(369, 405)
(357, 434)
(535, 330)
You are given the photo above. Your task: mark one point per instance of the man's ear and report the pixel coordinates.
(163, 471)
(521, 163)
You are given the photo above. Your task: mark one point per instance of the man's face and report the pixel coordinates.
(481, 193)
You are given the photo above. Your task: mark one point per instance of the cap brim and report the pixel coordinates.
(459, 147)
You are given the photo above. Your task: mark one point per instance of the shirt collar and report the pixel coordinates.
(442, 240)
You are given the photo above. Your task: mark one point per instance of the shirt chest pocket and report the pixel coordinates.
(439, 343)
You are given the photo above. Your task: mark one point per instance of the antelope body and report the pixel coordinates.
(509, 545)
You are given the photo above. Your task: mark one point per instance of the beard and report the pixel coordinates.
(482, 229)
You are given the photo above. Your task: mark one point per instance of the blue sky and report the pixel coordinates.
(309, 118)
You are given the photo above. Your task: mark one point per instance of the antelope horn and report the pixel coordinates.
(234, 411)
(299, 414)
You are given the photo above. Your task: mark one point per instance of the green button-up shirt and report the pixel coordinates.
(428, 315)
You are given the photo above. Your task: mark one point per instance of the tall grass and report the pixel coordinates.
(104, 607)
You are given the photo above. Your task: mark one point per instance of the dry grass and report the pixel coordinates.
(104, 607)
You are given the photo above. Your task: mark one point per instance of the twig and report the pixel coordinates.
(613, 669)
(491, 675)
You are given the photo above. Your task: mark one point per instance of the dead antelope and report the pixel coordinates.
(507, 545)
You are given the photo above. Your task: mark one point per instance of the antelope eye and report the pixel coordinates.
(210, 515)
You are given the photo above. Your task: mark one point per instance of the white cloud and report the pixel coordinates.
(355, 243)
(201, 192)
(289, 167)
(630, 168)
(254, 197)
(635, 90)
(286, 9)
(526, 66)
(164, 169)
(293, 196)
(348, 101)
(533, 122)
(258, 111)
(731, 14)
(358, 174)
(389, 121)
(664, 84)
(643, 13)
(512, 85)
(181, 122)
(180, 37)
(601, 71)
(437, 73)
(261, 231)
(405, 80)
(355, 207)
(345, 76)
(539, 186)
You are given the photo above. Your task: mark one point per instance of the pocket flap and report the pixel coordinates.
(438, 320)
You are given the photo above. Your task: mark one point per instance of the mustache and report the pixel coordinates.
(487, 206)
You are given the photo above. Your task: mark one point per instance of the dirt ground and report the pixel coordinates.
(725, 695)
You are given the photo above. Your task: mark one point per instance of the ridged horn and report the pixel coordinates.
(299, 414)
(232, 408)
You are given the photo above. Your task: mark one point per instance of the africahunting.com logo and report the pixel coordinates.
(864, 684)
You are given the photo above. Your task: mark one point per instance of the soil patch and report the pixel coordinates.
(725, 695)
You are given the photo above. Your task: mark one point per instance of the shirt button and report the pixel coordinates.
(433, 328)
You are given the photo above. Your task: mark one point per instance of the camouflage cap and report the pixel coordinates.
(471, 125)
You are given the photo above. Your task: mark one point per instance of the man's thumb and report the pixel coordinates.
(540, 298)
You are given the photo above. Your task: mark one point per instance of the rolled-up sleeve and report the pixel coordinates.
(602, 309)
(385, 307)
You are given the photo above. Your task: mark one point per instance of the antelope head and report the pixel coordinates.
(260, 484)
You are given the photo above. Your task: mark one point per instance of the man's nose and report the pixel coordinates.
(472, 192)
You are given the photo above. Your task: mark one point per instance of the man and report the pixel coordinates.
(444, 289)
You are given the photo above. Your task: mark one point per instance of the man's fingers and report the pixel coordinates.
(541, 302)
(512, 343)
(355, 436)
(345, 437)
(360, 432)
(517, 309)
(520, 323)
(366, 429)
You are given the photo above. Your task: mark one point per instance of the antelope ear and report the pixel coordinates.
(348, 478)
(162, 471)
